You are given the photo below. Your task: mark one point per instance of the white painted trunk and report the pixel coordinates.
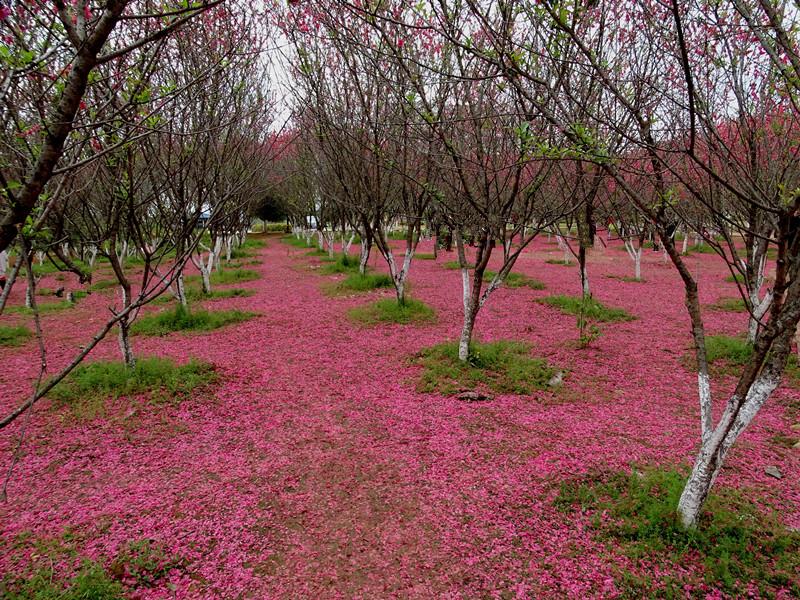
(469, 317)
(3, 262)
(123, 336)
(205, 275)
(715, 448)
(685, 247)
(363, 258)
(180, 293)
(585, 281)
(214, 256)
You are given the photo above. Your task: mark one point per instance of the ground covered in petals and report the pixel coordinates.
(314, 464)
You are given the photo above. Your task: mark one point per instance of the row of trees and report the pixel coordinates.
(136, 133)
(503, 120)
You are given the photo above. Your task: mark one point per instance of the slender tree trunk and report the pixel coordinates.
(366, 247)
(180, 290)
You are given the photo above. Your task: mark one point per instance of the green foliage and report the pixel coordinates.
(343, 264)
(182, 319)
(735, 542)
(729, 304)
(90, 583)
(389, 310)
(588, 308)
(502, 366)
(89, 385)
(14, 335)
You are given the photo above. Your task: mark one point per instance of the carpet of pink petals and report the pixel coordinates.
(314, 468)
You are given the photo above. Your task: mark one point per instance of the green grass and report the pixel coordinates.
(512, 280)
(226, 276)
(591, 309)
(195, 294)
(356, 282)
(14, 335)
(734, 543)
(86, 389)
(425, 256)
(44, 307)
(733, 350)
(502, 366)
(515, 280)
(254, 243)
(626, 278)
(298, 243)
(388, 310)
(103, 284)
(700, 249)
(181, 319)
(735, 278)
(729, 304)
(558, 261)
(92, 582)
(343, 264)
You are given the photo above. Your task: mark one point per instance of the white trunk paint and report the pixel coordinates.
(636, 256)
(3, 262)
(469, 319)
(716, 446)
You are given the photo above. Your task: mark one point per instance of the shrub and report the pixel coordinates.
(589, 308)
(388, 310)
(14, 335)
(735, 543)
(502, 366)
(182, 319)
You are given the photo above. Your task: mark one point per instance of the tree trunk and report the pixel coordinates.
(366, 247)
(715, 448)
(124, 329)
(180, 292)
